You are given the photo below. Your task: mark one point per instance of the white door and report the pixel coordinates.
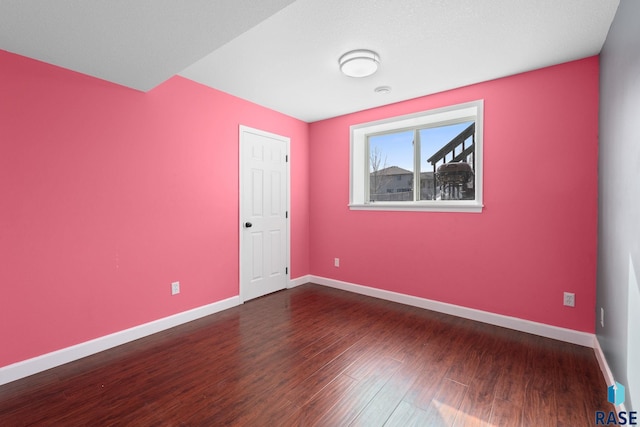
(264, 201)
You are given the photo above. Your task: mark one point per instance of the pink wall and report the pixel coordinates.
(108, 195)
(537, 234)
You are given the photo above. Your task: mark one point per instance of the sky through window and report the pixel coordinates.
(396, 149)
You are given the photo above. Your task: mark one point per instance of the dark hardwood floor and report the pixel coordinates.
(319, 356)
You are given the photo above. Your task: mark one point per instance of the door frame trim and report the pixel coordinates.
(242, 129)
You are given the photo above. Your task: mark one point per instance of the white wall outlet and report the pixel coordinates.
(569, 299)
(602, 316)
(175, 288)
(336, 262)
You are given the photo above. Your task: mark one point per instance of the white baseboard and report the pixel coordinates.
(50, 360)
(604, 367)
(602, 362)
(541, 329)
(299, 281)
(41, 363)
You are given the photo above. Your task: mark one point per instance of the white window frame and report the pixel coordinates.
(359, 158)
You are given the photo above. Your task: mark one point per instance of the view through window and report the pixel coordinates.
(446, 163)
(430, 160)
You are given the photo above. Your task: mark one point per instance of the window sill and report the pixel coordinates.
(452, 206)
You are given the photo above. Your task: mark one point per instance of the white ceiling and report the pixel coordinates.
(283, 54)
(135, 43)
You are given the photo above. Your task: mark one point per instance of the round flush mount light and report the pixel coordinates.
(359, 63)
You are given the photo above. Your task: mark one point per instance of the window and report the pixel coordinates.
(429, 161)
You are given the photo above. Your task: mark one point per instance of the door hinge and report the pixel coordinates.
(286, 270)
(286, 214)
(286, 157)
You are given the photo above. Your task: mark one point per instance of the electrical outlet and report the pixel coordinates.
(175, 288)
(569, 299)
(602, 316)
(336, 262)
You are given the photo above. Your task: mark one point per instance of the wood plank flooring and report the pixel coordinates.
(318, 356)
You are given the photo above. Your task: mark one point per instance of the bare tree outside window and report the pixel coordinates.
(379, 177)
(391, 183)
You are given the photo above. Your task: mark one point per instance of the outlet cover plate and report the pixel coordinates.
(175, 288)
(569, 299)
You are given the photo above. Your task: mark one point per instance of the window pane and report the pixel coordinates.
(448, 162)
(391, 167)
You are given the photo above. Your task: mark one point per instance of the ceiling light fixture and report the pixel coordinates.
(359, 63)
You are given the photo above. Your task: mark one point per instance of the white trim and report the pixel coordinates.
(602, 362)
(41, 363)
(299, 281)
(541, 329)
(359, 158)
(604, 367)
(448, 206)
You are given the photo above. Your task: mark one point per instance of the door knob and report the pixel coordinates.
(248, 224)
